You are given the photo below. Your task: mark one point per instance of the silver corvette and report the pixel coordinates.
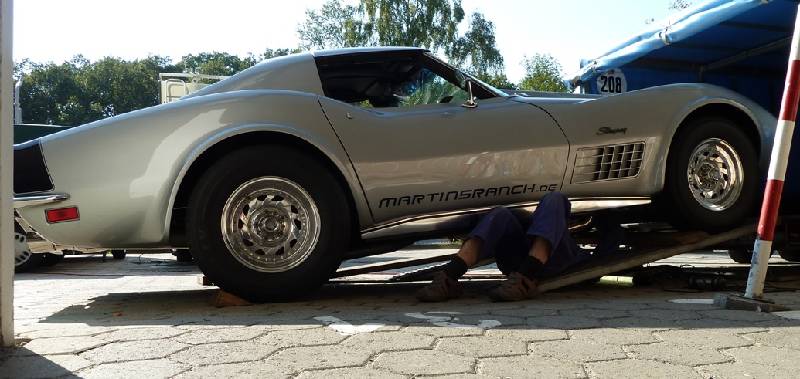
(275, 175)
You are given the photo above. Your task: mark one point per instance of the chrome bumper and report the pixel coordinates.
(33, 199)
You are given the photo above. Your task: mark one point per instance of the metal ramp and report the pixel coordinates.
(662, 245)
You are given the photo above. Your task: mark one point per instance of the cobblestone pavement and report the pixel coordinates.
(146, 316)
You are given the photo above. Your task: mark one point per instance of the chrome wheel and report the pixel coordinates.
(22, 253)
(270, 224)
(715, 174)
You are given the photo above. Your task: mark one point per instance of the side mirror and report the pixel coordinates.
(470, 103)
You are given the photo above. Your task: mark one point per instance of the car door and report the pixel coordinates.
(423, 158)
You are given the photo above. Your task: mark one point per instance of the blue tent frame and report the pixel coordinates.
(742, 45)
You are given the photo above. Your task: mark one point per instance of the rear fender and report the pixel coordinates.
(323, 142)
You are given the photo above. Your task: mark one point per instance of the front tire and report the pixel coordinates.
(268, 223)
(712, 176)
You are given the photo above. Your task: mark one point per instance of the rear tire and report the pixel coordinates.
(268, 223)
(712, 176)
(118, 254)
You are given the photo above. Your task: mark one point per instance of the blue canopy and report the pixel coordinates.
(739, 44)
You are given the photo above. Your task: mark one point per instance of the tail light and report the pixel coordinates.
(62, 215)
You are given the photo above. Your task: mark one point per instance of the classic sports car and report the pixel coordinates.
(275, 175)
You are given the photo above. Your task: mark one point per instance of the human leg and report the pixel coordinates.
(498, 234)
(552, 249)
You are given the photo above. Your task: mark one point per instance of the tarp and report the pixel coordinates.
(739, 44)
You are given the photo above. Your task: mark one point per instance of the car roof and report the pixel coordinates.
(359, 50)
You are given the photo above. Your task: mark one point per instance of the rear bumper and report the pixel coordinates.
(34, 199)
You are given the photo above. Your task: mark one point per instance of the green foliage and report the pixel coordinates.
(542, 73)
(477, 50)
(332, 26)
(497, 81)
(431, 24)
(215, 63)
(77, 92)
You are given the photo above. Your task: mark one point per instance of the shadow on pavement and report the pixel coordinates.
(22, 360)
(394, 305)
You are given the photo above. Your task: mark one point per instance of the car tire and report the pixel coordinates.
(741, 255)
(49, 259)
(723, 166)
(24, 259)
(118, 254)
(298, 212)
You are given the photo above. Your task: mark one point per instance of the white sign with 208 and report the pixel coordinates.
(612, 82)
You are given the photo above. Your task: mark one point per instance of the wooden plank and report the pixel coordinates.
(378, 267)
(426, 273)
(690, 242)
(650, 239)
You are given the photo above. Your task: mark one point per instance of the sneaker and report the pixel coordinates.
(442, 288)
(517, 287)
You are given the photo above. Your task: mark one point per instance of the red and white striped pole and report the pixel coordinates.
(777, 171)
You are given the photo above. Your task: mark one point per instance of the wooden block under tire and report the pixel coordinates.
(226, 299)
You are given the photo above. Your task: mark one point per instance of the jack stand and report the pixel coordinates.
(739, 302)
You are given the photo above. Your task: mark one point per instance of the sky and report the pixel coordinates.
(56, 30)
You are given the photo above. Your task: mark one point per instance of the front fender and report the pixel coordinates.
(764, 121)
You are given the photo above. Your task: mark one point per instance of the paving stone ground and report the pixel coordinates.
(147, 317)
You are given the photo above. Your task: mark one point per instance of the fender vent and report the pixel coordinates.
(608, 162)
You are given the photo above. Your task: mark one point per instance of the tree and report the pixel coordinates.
(78, 91)
(225, 64)
(431, 24)
(215, 63)
(273, 53)
(114, 86)
(477, 50)
(50, 93)
(542, 73)
(333, 26)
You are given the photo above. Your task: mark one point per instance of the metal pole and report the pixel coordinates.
(6, 177)
(777, 171)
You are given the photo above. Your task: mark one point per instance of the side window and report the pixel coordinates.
(389, 80)
(426, 87)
